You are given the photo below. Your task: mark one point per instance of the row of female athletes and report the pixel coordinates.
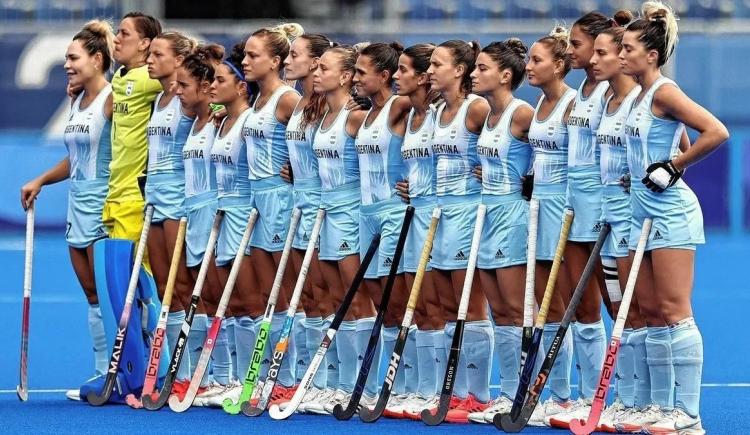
(451, 136)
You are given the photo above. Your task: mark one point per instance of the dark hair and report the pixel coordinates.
(347, 56)
(593, 23)
(235, 57)
(621, 19)
(384, 56)
(202, 62)
(317, 44)
(658, 28)
(510, 54)
(146, 25)
(420, 56)
(278, 38)
(97, 37)
(464, 53)
(557, 43)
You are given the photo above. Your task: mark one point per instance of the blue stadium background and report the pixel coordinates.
(711, 64)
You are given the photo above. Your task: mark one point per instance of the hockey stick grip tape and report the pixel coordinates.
(175, 265)
(306, 260)
(528, 297)
(463, 306)
(549, 291)
(274, 295)
(29, 250)
(423, 260)
(627, 296)
(235, 270)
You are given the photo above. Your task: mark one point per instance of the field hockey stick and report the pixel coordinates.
(275, 411)
(508, 422)
(365, 414)
(533, 394)
(253, 370)
(175, 403)
(581, 427)
(23, 387)
(279, 351)
(152, 369)
(157, 400)
(451, 368)
(122, 328)
(339, 411)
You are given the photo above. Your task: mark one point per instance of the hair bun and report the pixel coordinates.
(397, 46)
(559, 32)
(623, 17)
(358, 47)
(517, 46)
(100, 28)
(290, 30)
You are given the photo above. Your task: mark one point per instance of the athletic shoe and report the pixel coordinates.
(460, 413)
(310, 396)
(281, 394)
(607, 419)
(395, 406)
(368, 402)
(500, 405)
(232, 391)
(676, 421)
(579, 410)
(317, 405)
(547, 409)
(214, 388)
(73, 394)
(413, 406)
(637, 419)
(339, 398)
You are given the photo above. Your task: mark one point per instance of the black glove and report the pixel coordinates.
(142, 185)
(527, 186)
(364, 103)
(625, 182)
(661, 175)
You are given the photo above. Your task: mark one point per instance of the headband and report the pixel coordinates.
(234, 69)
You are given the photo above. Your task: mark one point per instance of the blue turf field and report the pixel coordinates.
(60, 357)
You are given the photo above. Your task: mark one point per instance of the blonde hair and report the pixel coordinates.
(557, 43)
(658, 28)
(279, 38)
(182, 45)
(97, 37)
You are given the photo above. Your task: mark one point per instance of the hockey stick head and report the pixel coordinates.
(368, 415)
(22, 392)
(342, 413)
(251, 410)
(156, 401)
(277, 414)
(177, 405)
(230, 406)
(506, 423)
(434, 418)
(100, 399)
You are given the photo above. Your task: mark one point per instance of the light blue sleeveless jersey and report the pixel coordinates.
(265, 137)
(549, 139)
(200, 174)
(88, 140)
(379, 153)
(416, 152)
(338, 163)
(612, 141)
(229, 156)
(455, 151)
(505, 158)
(167, 132)
(583, 122)
(299, 140)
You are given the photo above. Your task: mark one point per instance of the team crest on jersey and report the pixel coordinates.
(228, 146)
(129, 87)
(202, 139)
(638, 116)
(618, 125)
(89, 116)
(453, 133)
(375, 133)
(261, 119)
(332, 139)
(590, 108)
(169, 116)
(551, 130)
(425, 137)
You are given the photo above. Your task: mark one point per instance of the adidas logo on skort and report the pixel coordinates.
(387, 262)
(657, 235)
(471, 366)
(276, 239)
(623, 243)
(344, 246)
(499, 254)
(460, 256)
(597, 227)
(305, 237)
